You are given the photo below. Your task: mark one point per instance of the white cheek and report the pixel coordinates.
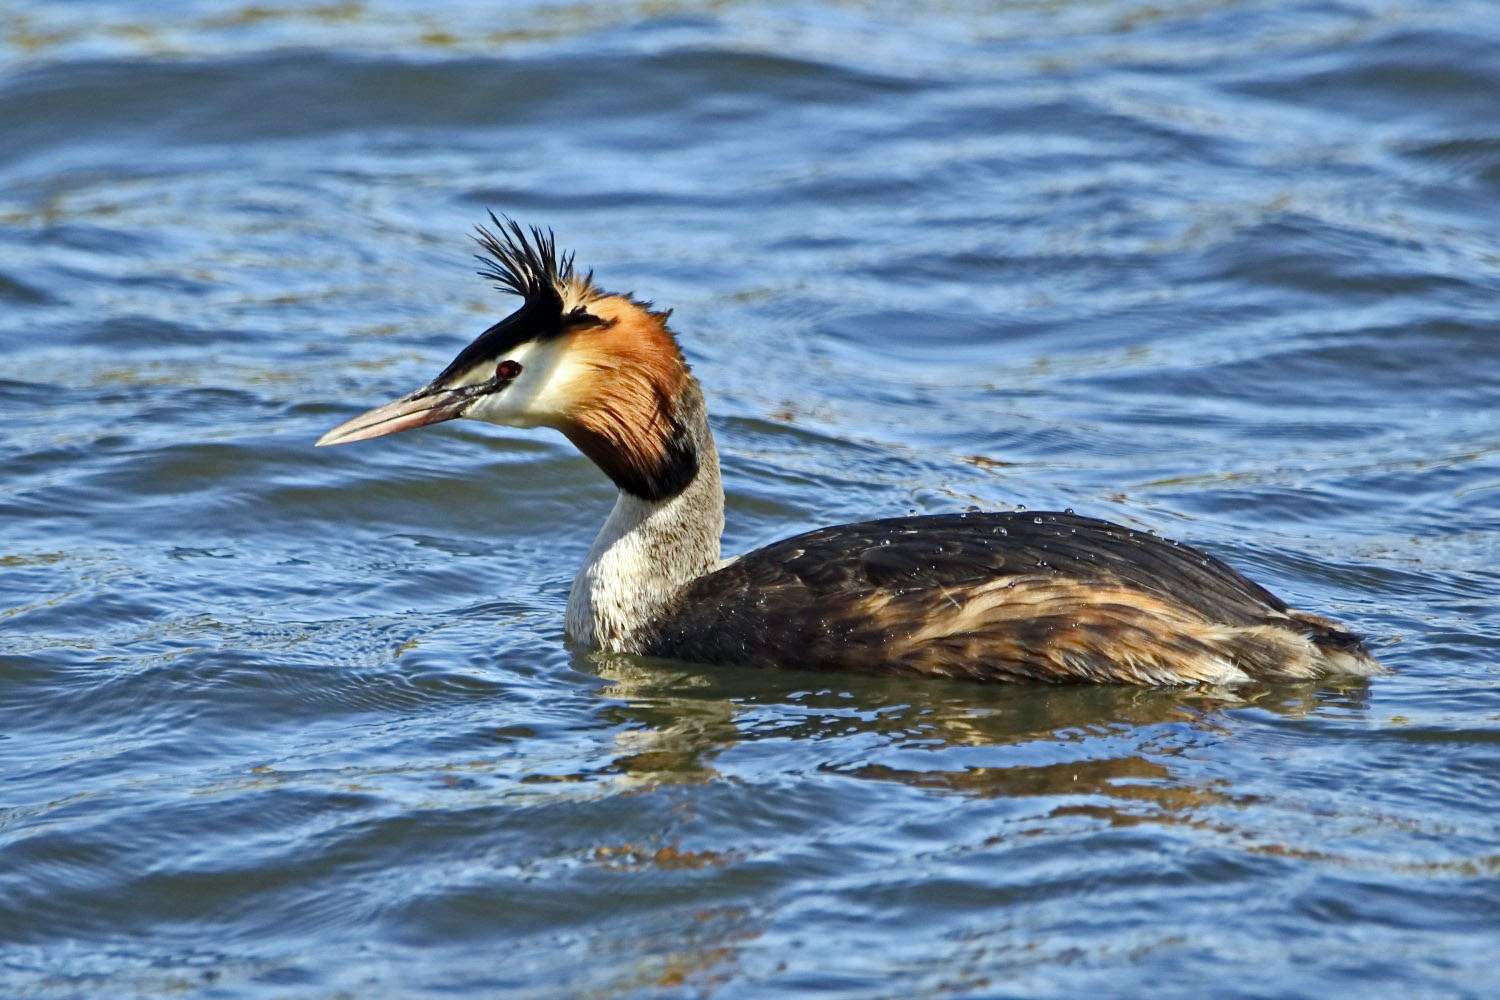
(537, 396)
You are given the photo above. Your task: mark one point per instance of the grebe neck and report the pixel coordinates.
(651, 546)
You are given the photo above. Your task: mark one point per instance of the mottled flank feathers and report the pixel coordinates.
(1047, 597)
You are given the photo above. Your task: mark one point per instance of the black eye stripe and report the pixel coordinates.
(534, 322)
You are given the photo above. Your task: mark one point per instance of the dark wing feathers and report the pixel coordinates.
(1050, 596)
(958, 549)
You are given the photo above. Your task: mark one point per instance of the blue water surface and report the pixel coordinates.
(278, 722)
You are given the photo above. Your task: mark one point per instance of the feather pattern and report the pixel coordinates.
(1051, 597)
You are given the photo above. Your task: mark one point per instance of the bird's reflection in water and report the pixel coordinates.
(1116, 744)
(1115, 756)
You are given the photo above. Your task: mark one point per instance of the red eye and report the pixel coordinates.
(507, 370)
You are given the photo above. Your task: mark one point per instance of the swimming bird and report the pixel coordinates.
(1054, 597)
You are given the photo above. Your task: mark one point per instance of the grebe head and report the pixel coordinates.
(602, 368)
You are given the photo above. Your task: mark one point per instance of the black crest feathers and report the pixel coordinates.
(526, 264)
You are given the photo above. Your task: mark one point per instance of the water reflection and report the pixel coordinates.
(1117, 744)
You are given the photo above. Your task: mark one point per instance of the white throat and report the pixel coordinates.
(645, 553)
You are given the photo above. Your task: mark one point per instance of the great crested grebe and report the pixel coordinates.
(989, 597)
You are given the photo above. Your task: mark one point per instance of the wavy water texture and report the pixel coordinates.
(277, 722)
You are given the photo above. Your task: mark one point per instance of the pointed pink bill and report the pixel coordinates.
(413, 410)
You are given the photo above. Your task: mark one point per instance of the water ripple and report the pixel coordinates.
(281, 721)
